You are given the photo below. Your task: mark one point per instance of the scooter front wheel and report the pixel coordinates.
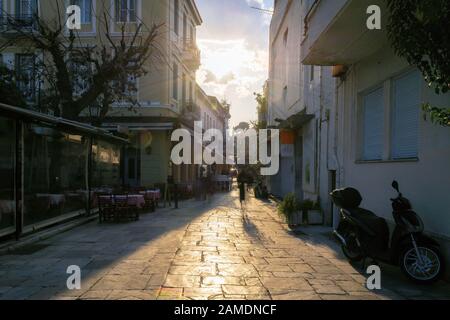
(425, 267)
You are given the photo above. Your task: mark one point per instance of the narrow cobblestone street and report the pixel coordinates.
(210, 250)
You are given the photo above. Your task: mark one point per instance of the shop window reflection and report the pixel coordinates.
(7, 198)
(55, 166)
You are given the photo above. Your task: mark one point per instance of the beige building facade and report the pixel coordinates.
(166, 94)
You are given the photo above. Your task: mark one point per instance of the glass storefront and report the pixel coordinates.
(52, 169)
(55, 180)
(7, 159)
(105, 165)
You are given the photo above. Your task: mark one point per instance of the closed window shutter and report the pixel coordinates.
(373, 125)
(406, 109)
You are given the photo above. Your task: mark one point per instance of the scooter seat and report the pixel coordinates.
(380, 231)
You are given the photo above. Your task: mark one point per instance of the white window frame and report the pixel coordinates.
(387, 86)
(176, 17)
(362, 111)
(394, 154)
(31, 86)
(83, 4)
(175, 81)
(28, 11)
(93, 23)
(118, 16)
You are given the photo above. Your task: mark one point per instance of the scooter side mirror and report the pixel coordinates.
(396, 186)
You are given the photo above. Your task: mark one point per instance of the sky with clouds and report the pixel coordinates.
(234, 42)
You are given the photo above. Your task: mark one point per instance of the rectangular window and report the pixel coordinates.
(25, 67)
(183, 90)
(126, 11)
(81, 73)
(405, 116)
(176, 17)
(86, 10)
(192, 35)
(185, 31)
(175, 81)
(373, 125)
(311, 74)
(26, 10)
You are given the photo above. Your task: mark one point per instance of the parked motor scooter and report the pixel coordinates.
(364, 235)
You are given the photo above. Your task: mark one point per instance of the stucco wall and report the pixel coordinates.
(426, 181)
(154, 166)
(284, 61)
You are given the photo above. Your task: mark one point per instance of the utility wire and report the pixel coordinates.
(263, 10)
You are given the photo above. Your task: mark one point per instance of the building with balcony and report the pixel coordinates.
(165, 94)
(301, 104)
(379, 129)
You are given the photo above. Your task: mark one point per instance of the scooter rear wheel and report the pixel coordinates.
(352, 251)
(426, 270)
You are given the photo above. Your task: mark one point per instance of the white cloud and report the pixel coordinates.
(231, 69)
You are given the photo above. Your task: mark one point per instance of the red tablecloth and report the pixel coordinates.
(154, 195)
(137, 200)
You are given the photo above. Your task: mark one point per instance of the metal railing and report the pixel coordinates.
(18, 21)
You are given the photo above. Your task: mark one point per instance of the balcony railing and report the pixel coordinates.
(191, 56)
(18, 22)
(191, 110)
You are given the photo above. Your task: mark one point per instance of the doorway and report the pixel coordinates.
(132, 167)
(299, 167)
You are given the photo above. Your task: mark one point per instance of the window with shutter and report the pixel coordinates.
(405, 116)
(373, 125)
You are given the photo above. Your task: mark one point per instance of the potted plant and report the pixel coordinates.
(289, 209)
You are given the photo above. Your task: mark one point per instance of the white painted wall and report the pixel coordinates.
(284, 61)
(315, 94)
(425, 182)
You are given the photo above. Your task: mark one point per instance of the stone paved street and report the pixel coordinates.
(211, 250)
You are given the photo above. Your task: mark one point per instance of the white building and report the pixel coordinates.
(381, 134)
(303, 97)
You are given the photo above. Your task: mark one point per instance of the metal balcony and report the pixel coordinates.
(191, 56)
(18, 22)
(191, 110)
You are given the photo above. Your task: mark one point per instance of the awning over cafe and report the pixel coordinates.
(139, 126)
(36, 117)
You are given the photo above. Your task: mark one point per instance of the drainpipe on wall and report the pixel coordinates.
(319, 135)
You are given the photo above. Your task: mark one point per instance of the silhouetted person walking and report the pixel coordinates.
(241, 192)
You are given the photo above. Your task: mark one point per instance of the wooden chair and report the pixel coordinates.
(124, 209)
(106, 208)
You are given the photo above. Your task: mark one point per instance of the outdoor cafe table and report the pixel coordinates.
(154, 195)
(137, 200)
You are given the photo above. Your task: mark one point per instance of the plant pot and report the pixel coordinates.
(315, 217)
(295, 219)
